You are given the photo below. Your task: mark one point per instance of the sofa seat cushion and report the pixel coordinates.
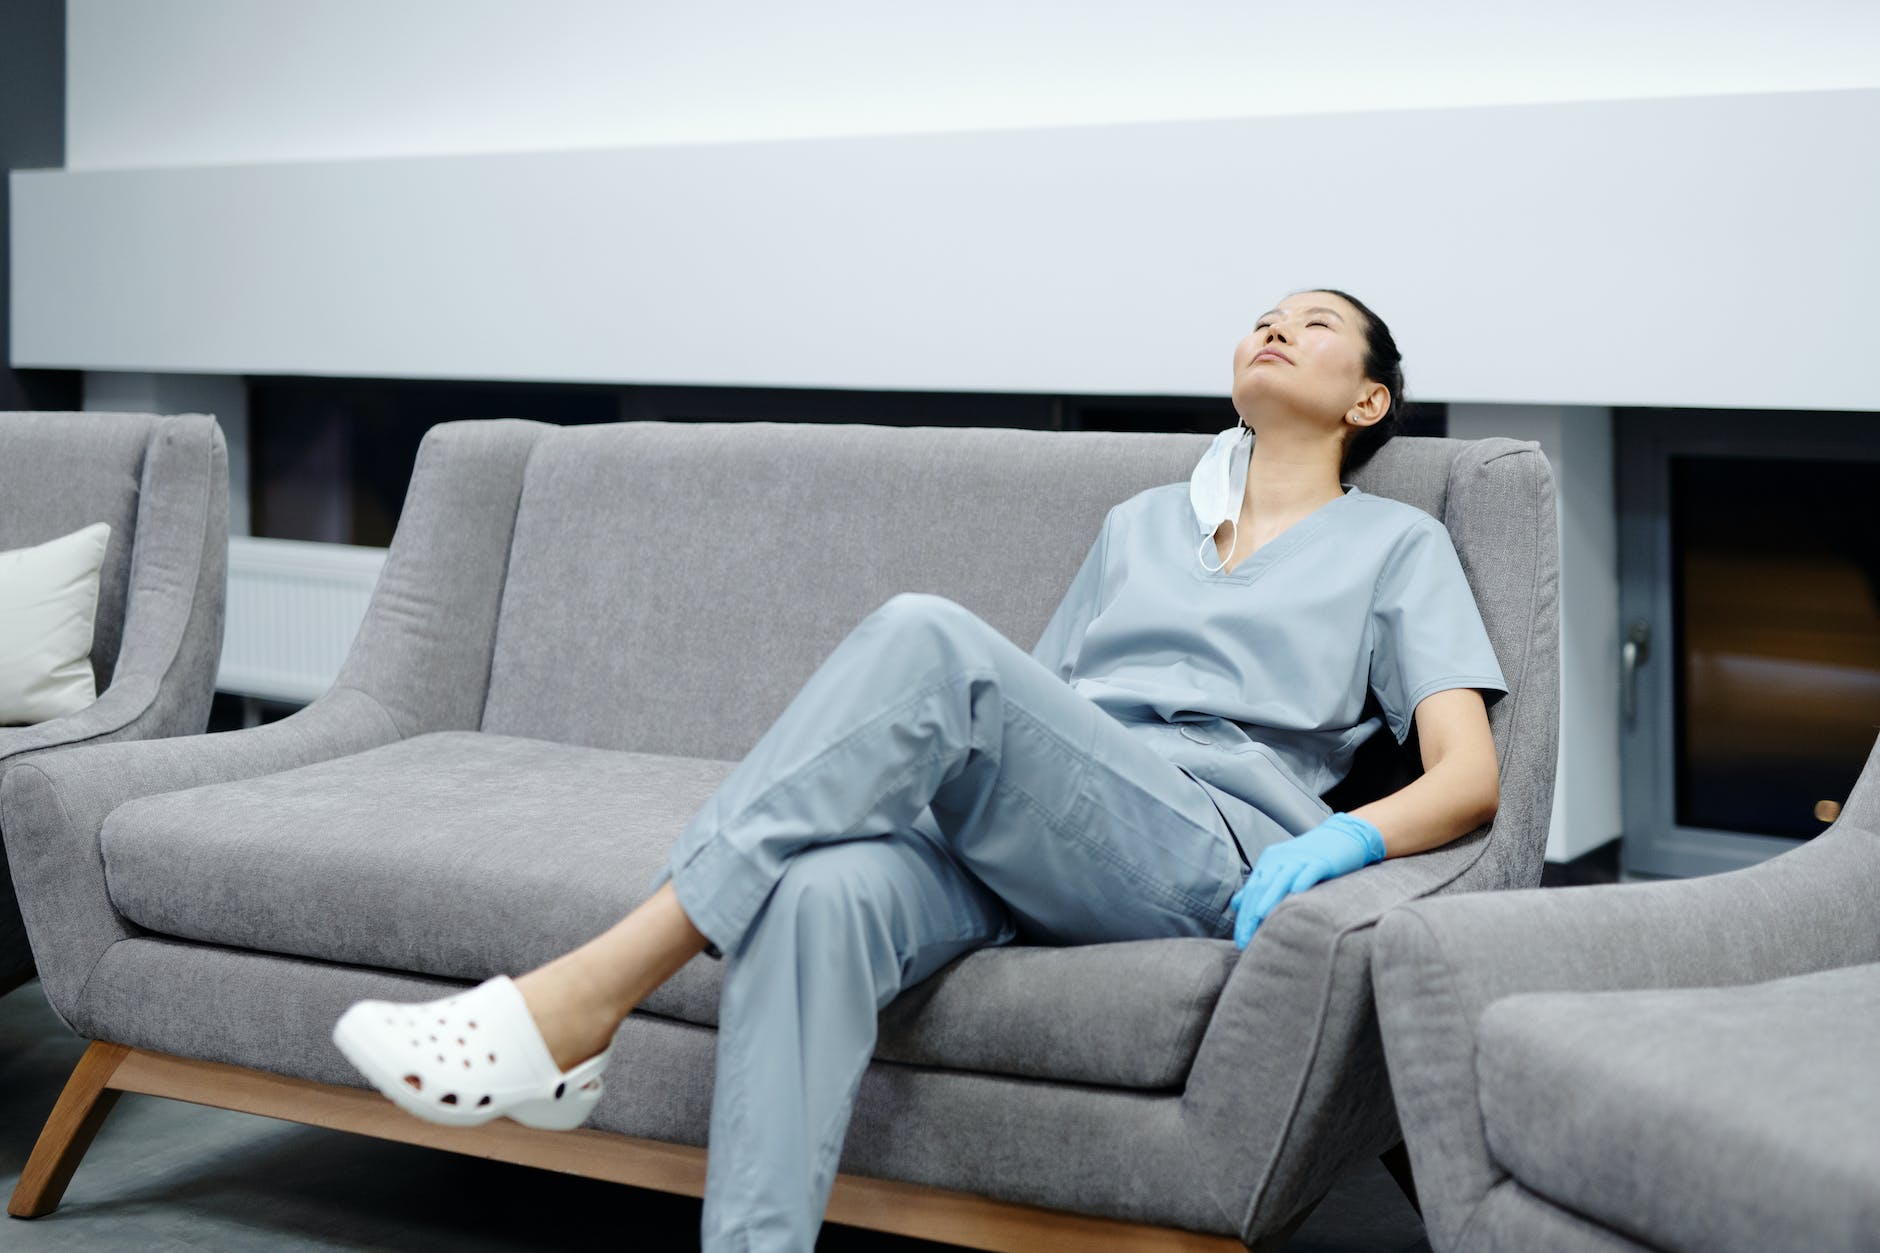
(465, 855)
(1706, 1118)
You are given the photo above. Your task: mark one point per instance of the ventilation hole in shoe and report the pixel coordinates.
(492, 1057)
(434, 1039)
(440, 1057)
(414, 1044)
(473, 1025)
(459, 1041)
(416, 1083)
(466, 1063)
(483, 1102)
(390, 1023)
(559, 1089)
(449, 1098)
(440, 1022)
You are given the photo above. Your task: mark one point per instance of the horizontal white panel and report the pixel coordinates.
(1711, 252)
(293, 610)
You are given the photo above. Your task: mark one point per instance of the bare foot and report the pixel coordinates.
(572, 1027)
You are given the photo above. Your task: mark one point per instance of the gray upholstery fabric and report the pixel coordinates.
(672, 560)
(53, 807)
(1105, 1151)
(1440, 965)
(1511, 1217)
(465, 855)
(423, 651)
(1696, 1118)
(162, 485)
(604, 587)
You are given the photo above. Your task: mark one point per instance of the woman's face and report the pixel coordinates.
(1305, 356)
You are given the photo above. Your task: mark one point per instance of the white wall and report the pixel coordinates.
(1712, 252)
(1578, 445)
(191, 82)
(571, 192)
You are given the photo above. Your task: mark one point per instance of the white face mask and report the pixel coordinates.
(1216, 487)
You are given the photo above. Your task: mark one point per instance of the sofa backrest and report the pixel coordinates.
(672, 586)
(668, 587)
(63, 471)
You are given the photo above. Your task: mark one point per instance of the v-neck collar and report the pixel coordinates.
(1292, 537)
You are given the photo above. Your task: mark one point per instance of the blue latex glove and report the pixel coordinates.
(1339, 845)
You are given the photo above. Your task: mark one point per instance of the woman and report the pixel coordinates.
(933, 789)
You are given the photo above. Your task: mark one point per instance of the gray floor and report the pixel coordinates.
(166, 1176)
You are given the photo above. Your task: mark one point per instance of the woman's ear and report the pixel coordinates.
(1372, 408)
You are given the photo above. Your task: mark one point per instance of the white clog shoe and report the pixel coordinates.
(468, 1058)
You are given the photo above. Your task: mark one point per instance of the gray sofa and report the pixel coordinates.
(577, 633)
(162, 485)
(1678, 1065)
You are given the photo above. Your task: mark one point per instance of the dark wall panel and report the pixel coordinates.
(32, 137)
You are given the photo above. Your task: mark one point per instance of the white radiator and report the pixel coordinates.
(293, 609)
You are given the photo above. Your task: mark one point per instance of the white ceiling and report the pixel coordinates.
(191, 82)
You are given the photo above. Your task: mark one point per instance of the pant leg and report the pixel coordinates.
(926, 717)
(930, 775)
(847, 927)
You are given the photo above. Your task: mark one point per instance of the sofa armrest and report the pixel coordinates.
(1438, 964)
(127, 710)
(53, 804)
(1289, 1088)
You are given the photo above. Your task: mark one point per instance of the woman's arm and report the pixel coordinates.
(1460, 788)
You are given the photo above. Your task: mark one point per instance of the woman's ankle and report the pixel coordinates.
(573, 1028)
(579, 999)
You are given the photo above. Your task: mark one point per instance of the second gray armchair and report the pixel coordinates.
(162, 485)
(1686, 1064)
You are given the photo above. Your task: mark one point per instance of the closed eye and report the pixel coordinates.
(1262, 325)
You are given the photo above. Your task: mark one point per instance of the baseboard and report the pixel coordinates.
(1596, 865)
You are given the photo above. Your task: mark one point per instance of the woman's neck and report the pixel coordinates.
(1287, 479)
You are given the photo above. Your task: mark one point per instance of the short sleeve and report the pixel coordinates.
(1426, 629)
(1063, 636)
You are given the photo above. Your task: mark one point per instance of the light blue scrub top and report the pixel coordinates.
(1256, 682)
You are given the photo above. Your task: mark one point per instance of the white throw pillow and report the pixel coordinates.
(48, 606)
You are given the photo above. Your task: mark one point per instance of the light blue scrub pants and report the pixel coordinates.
(933, 789)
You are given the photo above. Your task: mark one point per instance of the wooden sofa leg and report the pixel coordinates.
(1397, 1161)
(68, 1132)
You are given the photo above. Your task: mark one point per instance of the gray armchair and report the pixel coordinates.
(162, 484)
(559, 666)
(1684, 1064)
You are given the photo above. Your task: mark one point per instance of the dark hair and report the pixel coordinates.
(1382, 364)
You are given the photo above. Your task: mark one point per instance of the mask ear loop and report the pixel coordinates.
(1209, 539)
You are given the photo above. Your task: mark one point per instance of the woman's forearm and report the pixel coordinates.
(1450, 799)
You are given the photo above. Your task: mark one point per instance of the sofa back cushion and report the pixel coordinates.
(672, 585)
(60, 472)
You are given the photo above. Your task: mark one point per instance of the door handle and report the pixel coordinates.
(1635, 652)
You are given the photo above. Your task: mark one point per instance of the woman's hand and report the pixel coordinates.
(1339, 845)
